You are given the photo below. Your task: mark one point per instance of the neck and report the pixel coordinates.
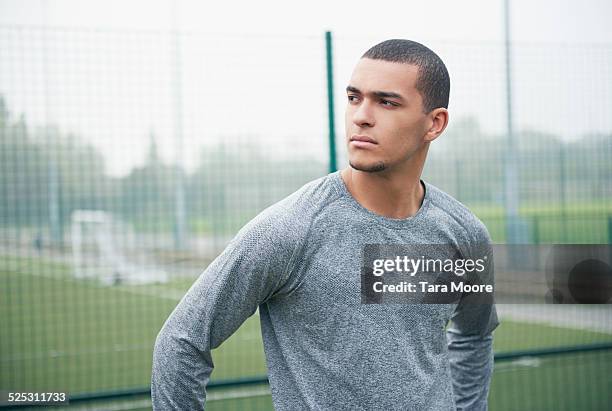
(390, 193)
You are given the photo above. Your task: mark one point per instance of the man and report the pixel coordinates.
(299, 262)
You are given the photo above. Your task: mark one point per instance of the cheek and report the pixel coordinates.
(412, 130)
(408, 137)
(348, 116)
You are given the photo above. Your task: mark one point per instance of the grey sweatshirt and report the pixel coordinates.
(299, 261)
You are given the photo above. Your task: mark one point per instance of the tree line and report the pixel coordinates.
(231, 184)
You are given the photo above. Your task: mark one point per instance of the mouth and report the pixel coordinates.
(362, 141)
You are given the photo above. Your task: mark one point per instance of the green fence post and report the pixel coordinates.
(563, 187)
(330, 103)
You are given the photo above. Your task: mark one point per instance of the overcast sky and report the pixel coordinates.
(113, 88)
(532, 20)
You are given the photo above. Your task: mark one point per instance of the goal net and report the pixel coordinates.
(103, 249)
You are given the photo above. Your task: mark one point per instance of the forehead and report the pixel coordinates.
(380, 75)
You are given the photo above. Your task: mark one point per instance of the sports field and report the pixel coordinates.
(572, 223)
(60, 333)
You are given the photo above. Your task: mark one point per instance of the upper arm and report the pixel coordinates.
(256, 263)
(251, 268)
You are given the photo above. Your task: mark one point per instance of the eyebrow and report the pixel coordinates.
(381, 94)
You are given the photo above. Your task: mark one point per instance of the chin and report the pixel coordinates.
(369, 167)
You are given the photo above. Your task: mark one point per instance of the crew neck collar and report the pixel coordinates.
(386, 221)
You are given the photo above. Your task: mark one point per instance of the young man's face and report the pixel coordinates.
(385, 107)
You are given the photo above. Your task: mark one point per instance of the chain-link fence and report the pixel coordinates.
(129, 159)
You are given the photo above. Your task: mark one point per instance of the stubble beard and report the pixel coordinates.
(374, 168)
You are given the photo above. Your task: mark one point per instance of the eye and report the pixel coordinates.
(352, 98)
(388, 103)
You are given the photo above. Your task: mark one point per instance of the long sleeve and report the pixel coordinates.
(252, 268)
(471, 360)
(470, 341)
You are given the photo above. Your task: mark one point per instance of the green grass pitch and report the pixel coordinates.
(63, 334)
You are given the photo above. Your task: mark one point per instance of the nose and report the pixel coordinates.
(363, 115)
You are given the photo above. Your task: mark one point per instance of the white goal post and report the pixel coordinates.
(98, 241)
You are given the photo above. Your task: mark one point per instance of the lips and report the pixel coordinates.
(364, 139)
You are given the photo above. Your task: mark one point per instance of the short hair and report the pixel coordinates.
(433, 82)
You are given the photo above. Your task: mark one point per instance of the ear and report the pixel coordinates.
(438, 120)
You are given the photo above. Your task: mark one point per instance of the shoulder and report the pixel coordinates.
(460, 219)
